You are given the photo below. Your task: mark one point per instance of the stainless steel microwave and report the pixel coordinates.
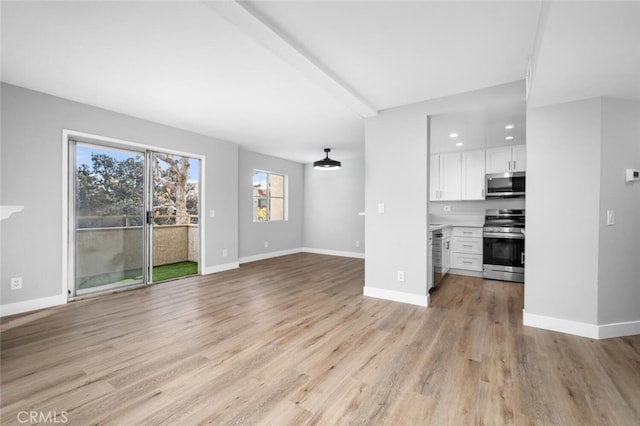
(505, 185)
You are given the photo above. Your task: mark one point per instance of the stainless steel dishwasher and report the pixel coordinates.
(436, 258)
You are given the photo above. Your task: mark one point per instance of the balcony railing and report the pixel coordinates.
(127, 221)
(119, 244)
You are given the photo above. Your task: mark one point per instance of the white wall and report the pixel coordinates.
(332, 202)
(563, 198)
(31, 160)
(282, 236)
(396, 170)
(619, 257)
(582, 275)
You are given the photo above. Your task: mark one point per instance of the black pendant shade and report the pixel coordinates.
(326, 163)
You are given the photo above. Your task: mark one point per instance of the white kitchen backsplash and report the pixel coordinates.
(457, 219)
(473, 208)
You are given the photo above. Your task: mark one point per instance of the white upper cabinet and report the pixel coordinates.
(519, 158)
(472, 177)
(450, 176)
(434, 178)
(498, 159)
(445, 177)
(506, 159)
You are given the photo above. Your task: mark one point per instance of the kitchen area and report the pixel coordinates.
(477, 194)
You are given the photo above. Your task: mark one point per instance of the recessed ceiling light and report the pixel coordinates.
(453, 135)
(509, 138)
(509, 126)
(459, 144)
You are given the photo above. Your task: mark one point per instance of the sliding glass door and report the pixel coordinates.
(109, 210)
(134, 217)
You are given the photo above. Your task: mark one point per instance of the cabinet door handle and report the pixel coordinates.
(467, 246)
(466, 262)
(514, 165)
(522, 258)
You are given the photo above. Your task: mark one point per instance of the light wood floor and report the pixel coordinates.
(293, 341)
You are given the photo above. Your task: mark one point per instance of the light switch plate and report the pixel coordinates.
(611, 217)
(380, 207)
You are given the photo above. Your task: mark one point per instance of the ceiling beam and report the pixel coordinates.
(267, 34)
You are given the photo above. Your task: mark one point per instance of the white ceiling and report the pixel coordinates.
(587, 49)
(479, 128)
(397, 53)
(289, 78)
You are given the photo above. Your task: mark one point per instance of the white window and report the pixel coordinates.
(269, 191)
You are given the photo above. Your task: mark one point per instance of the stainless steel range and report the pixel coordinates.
(503, 245)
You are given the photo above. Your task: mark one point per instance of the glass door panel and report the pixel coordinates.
(175, 210)
(109, 233)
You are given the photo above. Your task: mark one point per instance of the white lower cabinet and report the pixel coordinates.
(467, 248)
(467, 245)
(446, 251)
(470, 262)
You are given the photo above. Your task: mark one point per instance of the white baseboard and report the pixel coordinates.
(32, 305)
(269, 255)
(558, 324)
(272, 254)
(397, 296)
(220, 268)
(619, 329)
(576, 328)
(354, 254)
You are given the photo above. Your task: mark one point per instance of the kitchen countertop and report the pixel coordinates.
(439, 226)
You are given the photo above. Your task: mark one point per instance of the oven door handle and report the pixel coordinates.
(503, 235)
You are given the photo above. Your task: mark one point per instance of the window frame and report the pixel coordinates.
(285, 197)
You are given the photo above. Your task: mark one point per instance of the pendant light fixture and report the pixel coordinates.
(327, 163)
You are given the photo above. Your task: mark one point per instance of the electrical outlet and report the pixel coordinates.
(447, 208)
(266, 244)
(16, 283)
(225, 252)
(212, 213)
(380, 207)
(357, 243)
(401, 276)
